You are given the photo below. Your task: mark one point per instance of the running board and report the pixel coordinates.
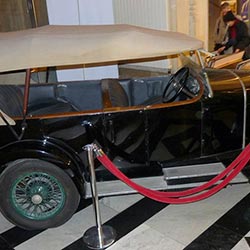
(195, 175)
(117, 187)
(181, 177)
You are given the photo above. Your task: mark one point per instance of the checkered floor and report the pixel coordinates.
(219, 222)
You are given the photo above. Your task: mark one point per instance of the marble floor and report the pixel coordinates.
(221, 222)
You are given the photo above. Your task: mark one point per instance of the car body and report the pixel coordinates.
(237, 60)
(230, 61)
(191, 120)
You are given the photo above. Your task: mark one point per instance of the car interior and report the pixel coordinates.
(63, 97)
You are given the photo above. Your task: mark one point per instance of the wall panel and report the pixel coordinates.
(82, 12)
(146, 13)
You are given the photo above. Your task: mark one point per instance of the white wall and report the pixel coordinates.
(85, 12)
(146, 13)
(187, 16)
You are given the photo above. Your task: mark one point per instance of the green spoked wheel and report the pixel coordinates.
(37, 194)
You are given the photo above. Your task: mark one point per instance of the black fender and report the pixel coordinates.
(47, 149)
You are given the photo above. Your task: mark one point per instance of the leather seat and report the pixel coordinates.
(114, 94)
(11, 100)
(51, 106)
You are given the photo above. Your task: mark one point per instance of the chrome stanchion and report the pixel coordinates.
(99, 236)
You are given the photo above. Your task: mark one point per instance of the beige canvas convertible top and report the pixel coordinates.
(54, 45)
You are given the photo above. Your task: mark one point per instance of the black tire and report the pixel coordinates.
(37, 194)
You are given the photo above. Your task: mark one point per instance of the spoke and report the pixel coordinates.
(46, 206)
(25, 201)
(34, 209)
(20, 195)
(53, 203)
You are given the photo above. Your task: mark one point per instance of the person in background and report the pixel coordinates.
(244, 11)
(220, 31)
(238, 37)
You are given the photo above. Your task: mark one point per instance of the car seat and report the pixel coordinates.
(114, 94)
(11, 100)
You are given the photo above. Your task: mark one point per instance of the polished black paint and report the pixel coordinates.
(142, 138)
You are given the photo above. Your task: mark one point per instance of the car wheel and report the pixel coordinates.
(36, 194)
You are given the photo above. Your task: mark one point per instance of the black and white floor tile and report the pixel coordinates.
(221, 222)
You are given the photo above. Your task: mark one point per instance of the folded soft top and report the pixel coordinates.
(54, 45)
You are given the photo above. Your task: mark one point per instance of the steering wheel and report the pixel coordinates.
(177, 82)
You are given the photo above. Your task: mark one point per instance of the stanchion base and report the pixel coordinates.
(92, 240)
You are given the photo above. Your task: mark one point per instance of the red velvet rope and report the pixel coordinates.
(190, 195)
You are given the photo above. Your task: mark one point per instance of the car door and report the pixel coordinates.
(224, 113)
(125, 135)
(174, 132)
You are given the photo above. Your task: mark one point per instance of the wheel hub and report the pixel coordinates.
(38, 191)
(36, 199)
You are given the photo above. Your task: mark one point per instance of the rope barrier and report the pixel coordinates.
(186, 196)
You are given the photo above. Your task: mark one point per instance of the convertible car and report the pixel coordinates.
(166, 132)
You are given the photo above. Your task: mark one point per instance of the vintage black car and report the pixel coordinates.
(165, 132)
